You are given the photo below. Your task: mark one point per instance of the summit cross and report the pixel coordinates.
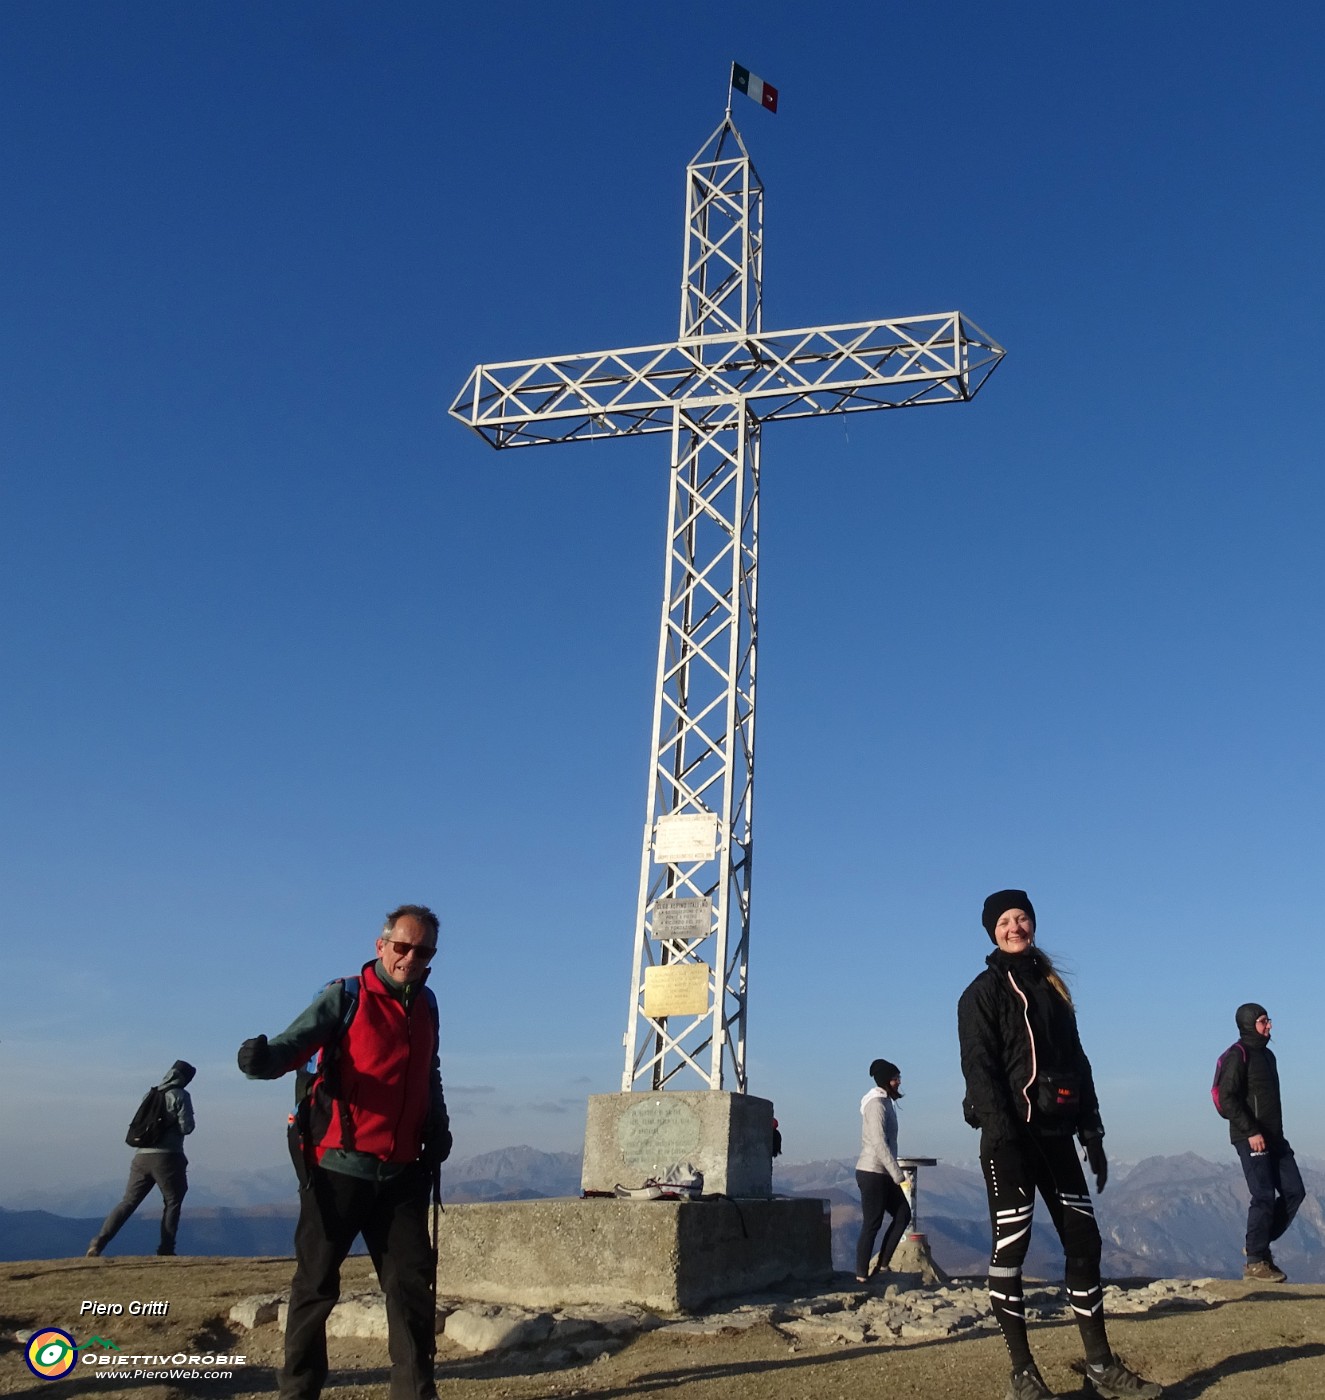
(712, 390)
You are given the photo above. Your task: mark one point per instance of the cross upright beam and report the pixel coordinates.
(712, 390)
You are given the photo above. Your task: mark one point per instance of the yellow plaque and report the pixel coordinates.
(678, 989)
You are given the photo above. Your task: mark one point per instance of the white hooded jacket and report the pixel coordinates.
(878, 1135)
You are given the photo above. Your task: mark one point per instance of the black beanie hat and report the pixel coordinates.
(1248, 1014)
(999, 903)
(883, 1072)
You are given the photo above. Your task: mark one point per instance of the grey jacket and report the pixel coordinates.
(180, 1107)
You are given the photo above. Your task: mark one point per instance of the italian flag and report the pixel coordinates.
(743, 80)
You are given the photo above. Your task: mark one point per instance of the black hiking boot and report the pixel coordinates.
(1028, 1384)
(1115, 1382)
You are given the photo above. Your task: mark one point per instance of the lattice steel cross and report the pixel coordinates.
(713, 389)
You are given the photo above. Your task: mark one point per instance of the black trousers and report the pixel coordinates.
(169, 1171)
(1276, 1192)
(392, 1217)
(880, 1195)
(1013, 1173)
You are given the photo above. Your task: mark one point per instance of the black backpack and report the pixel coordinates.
(151, 1120)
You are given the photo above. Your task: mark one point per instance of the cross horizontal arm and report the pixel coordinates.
(943, 358)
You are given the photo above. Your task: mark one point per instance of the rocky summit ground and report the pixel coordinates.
(1233, 1340)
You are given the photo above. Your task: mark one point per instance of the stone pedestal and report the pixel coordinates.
(912, 1256)
(668, 1256)
(629, 1138)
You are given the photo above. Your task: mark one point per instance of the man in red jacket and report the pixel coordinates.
(374, 1130)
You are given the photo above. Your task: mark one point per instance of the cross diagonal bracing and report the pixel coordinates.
(803, 373)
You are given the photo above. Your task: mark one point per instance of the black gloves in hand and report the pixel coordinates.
(1099, 1163)
(254, 1057)
(436, 1146)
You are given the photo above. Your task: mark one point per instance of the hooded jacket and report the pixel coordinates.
(878, 1135)
(1015, 1029)
(180, 1107)
(1248, 1083)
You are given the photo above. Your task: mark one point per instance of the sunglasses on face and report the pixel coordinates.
(403, 950)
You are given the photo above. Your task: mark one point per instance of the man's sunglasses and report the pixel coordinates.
(403, 950)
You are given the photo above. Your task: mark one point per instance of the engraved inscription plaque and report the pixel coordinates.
(657, 1132)
(678, 989)
(682, 918)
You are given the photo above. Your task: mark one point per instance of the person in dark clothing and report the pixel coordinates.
(1247, 1094)
(877, 1173)
(380, 1131)
(1029, 1090)
(163, 1165)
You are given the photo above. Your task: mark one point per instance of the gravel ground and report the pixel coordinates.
(1257, 1343)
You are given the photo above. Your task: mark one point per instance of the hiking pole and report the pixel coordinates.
(434, 1208)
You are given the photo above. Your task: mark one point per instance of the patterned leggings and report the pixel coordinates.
(1013, 1174)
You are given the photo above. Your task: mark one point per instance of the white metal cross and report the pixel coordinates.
(712, 389)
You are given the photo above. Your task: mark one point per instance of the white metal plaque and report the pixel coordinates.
(682, 838)
(678, 989)
(682, 918)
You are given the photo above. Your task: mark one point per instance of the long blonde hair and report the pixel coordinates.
(1057, 980)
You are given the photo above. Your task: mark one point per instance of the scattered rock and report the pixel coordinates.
(496, 1329)
(359, 1315)
(899, 1316)
(825, 1330)
(257, 1311)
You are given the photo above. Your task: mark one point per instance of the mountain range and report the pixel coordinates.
(1163, 1217)
(1176, 1216)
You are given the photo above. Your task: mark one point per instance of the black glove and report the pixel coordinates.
(1099, 1163)
(436, 1146)
(255, 1058)
(991, 1139)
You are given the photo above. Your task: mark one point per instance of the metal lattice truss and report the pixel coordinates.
(722, 293)
(703, 756)
(713, 389)
(786, 374)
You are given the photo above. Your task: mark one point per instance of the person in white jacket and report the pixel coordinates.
(877, 1173)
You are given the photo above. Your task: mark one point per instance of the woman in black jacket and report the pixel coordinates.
(1029, 1090)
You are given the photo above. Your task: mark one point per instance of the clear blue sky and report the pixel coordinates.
(283, 645)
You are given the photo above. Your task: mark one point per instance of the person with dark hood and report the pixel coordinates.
(163, 1165)
(877, 1173)
(1029, 1090)
(1247, 1094)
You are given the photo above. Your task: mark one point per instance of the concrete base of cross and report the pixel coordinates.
(668, 1256)
(631, 1138)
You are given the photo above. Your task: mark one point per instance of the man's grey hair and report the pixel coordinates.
(421, 912)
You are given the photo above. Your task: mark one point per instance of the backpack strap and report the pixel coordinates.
(320, 1068)
(436, 1015)
(351, 988)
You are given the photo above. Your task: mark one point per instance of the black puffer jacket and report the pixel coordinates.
(1248, 1084)
(1016, 1032)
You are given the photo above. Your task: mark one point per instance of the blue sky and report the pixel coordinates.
(283, 645)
